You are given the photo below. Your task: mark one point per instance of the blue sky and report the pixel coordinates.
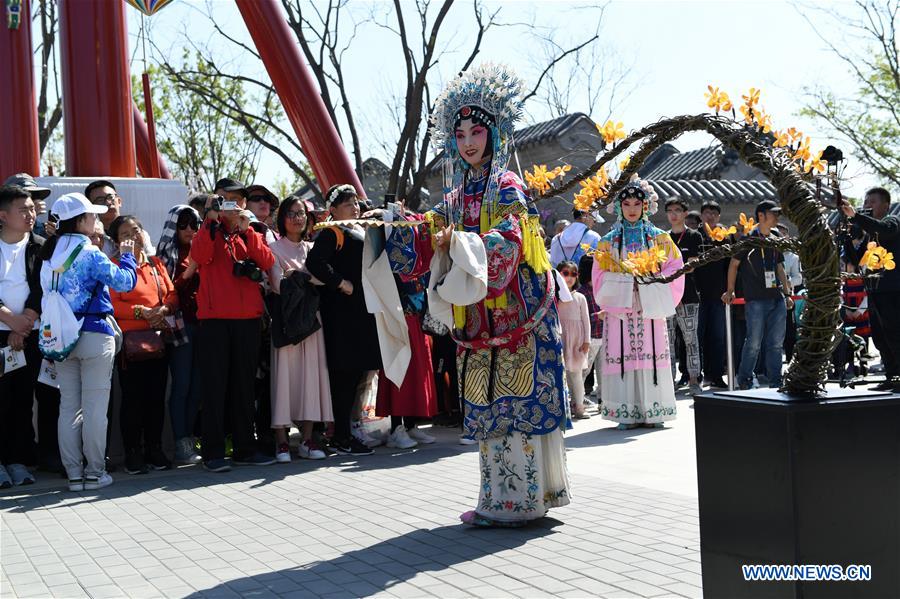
(675, 49)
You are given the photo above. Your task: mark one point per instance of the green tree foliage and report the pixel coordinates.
(201, 141)
(868, 116)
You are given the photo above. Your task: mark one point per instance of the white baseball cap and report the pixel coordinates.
(75, 204)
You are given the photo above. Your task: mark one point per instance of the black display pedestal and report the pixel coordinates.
(785, 481)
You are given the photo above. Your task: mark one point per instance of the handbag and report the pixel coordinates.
(175, 333)
(144, 345)
(147, 344)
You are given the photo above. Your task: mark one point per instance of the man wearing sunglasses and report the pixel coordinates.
(103, 193)
(263, 204)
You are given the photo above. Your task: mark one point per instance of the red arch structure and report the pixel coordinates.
(104, 136)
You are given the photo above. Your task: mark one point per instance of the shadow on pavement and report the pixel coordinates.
(381, 566)
(51, 491)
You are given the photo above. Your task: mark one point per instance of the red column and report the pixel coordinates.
(96, 86)
(298, 93)
(20, 149)
(143, 146)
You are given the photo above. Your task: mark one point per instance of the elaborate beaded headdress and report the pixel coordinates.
(636, 188)
(491, 91)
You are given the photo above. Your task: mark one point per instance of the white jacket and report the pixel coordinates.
(567, 245)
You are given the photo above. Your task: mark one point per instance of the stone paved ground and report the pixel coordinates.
(383, 526)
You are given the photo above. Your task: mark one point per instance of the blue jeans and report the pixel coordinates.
(766, 322)
(711, 338)
(184, 397)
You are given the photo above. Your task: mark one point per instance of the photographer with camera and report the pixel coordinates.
(232, 258)
(884, 290)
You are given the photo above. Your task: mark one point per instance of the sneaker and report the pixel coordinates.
(695, 389)
(257, 459)
(309, 450)
(463, 440)
(351, 447)
(5, 479)
(400, 439)
(157, 460)
(582, 416)
(184, 452)
(325, 444)
(20, 474)
(217, 465)
(887, 385)
(360, 434)
(76, 484)
(283, 454)
(134, 463)
(421, 436)
(718, 383)
(92, 483)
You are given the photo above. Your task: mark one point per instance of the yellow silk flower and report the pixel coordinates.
(752, 97)
(592, 189)
(795, 134)
(539, 178)
(612, 132)
(720, 233)
(876, 258)
(646, 262)
(803, 153)
(747, 223)
(717, 99)
(782, 139)
(763, 121)
(816, 164)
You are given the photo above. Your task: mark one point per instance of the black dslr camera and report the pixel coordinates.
(247, 268)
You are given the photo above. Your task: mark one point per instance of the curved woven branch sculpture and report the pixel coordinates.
(818, 332)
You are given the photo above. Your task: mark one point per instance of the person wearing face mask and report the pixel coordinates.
(636, 382)
(492, 284)
(351, 338)
(231, 259)
(83, 276)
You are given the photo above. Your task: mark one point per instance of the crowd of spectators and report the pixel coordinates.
(244, 322)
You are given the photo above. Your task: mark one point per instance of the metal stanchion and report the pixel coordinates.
(729, 347)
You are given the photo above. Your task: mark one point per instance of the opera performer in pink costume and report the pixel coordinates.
(636, 381)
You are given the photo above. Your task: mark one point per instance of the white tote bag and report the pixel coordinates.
(656, 300)
(616, 290)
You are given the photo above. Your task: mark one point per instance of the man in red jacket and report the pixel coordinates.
(232, 258)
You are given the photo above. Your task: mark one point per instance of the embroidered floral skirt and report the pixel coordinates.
(522, 476)
(635, 399)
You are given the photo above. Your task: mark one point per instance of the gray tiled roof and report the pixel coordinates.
(542, 132)
(704, 163)
(722, 191)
